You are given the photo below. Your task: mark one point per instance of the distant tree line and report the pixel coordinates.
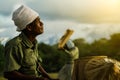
(1, 57)
(53, 59)
(110, 48)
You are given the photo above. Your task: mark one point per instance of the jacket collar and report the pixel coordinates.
(27, 42)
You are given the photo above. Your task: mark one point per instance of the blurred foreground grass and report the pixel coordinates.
(1, 78)
(53, 75)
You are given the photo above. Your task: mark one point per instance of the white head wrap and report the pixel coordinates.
(23, 16)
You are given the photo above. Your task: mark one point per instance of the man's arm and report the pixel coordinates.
(15, 75)
(44, 73)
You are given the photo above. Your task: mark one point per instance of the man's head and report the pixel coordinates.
(27, 20)
(35, 28)
(23, 16)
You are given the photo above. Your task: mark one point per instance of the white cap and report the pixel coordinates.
(70, 44)
(23, 16)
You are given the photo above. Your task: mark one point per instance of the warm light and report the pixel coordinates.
(113, 1)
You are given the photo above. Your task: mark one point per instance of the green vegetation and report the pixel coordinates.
(1, 58)
(53, 59)
(1, 78)
(110, 48)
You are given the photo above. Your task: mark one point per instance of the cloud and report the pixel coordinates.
(2, 30)
(90, 19)
(89, 32)
(6, 6)
(87, 11)
(93, 32)
(7, 28)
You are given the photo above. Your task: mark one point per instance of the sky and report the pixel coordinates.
(90, 19)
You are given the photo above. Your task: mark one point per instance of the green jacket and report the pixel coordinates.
(21, 55)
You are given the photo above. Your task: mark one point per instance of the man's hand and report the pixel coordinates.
(70, 44)
(42, 78)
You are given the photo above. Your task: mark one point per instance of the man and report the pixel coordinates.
(73, 53)
(21, 53)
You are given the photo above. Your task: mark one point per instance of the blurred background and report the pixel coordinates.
(96, 25)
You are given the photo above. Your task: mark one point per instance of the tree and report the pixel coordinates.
(53, 59)
(84, 47)
(1, 57)
(114, 44)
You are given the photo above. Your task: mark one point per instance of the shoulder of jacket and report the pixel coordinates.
(15, 41)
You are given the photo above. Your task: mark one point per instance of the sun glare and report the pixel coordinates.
(113, 1)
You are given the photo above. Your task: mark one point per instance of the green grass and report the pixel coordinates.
(1, 78)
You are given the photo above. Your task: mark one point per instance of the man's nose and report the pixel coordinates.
(41, 24)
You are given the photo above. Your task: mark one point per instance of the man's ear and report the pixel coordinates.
(29, 28)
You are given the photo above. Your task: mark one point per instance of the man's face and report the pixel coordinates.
(37, 28)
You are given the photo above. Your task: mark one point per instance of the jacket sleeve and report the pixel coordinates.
(12, 58)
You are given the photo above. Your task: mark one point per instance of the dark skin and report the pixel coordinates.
(32, 30)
